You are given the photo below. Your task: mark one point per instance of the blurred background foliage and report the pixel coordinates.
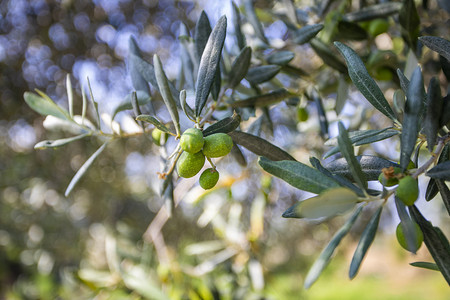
(228, 244)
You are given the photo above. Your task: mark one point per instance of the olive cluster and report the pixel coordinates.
(195, 148)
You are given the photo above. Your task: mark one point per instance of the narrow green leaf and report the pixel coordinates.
(262, 74)
(202, 32)
(434, 112)
(410, 22)
(209, 64)
(94, 103)
(323, 121)
(259, 146)
(328, 57)
(298, 175)
(370, 165)
(185, 107)
(399, 99)
(363, 137)
(342, 94)
(404, 81)
(362, 80)
(445, 117)
(84, 169)
(166, 94)
(445, 66)
(330, 203)
(445, 193)
(435, 241)
(253, 20)
(187, 63)
(45, 106)
(238, 155)
(237, 26)
(263, 100)
(346, 147)
(432, 188)
(306, 33)
(437, 44)
(225, 125)
(84, 106)
(69, 94)
(366, 240)
(325, 256)
(154, 121)
(240, 67)
(411, 117)
(425, 265)
(58, 143)
(342, 181)
(408, 226)
(280, 58)
(373, 12)
(440, 171)
(140, 84)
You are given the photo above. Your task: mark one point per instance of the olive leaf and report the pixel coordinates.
(84, 169)
(440, 171)
(408, 226)
(262, 74)
(185, 107)
(166, 94)
(342, 181)
(411, 117)
(445, 193)
(280, 58)
(306, 33)
(94, 103)
(237, 26)
(362, 80)
(263, 100)
(350, 31)
(323, 121)
(140, 84)
(366, 240)
(253, 20)
(373, 12)
(425, 265)
(187, 63)
(410, 22)
(404, 81)
(202, 32)
(225, 125)
(298, 175)
(45, 106)
(209, 64)
(434, 112)
(346, 147)
(60, 142)
(154, 121)
(325, 256)
(328, 57)
(363, 137)
(330, 203)
(432, 188)
(370, 165)
(125, 104)
(437, 44)
(69, 95)
(240, 67)
(259, 146)
(435, 241)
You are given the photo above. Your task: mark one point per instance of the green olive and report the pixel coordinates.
(402, 239)
(217, 145)
(407, 190)
(192, 140)
(378, 26)
(302, 114)
(159, 137)
(209, 178)
(189, 164)
(387, 176)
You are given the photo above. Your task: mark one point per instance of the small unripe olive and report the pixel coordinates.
(387, 176)
(217, 145)
(189, 164)
(378, 26)
(209, 178)
(192, 140)
(407, 190)
(402, 239)
(302, 114)
(159, 137)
